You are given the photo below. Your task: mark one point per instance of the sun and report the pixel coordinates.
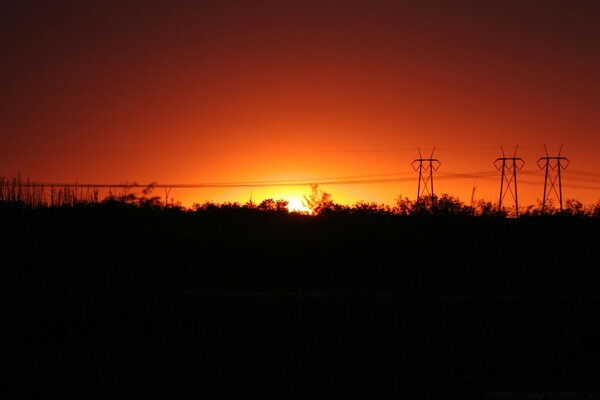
(296, 205)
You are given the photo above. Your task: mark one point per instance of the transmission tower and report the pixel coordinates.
(426, 168)
(552, 167)
(509, 167)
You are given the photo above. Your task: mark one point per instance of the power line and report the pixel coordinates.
(583, 173)
(426, 168)
(308, 182)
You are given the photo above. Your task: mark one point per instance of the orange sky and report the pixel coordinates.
(177, 92)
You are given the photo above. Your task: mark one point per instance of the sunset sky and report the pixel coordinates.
(251, 91)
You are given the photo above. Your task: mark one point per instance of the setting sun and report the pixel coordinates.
(296, 205)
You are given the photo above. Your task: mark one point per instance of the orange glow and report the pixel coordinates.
(205, 93)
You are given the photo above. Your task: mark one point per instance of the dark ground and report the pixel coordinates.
(226, 304)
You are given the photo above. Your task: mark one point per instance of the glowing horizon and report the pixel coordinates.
(254, 92)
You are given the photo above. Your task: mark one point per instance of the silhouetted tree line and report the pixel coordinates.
(26, 193)
(322, 203)
(444, 205)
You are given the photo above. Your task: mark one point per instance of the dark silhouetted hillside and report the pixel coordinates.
(229, 300)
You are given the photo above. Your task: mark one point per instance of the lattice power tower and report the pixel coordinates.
(426, 168)
(552, 167)
(508, 181)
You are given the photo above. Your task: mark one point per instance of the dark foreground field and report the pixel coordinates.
(230, 304)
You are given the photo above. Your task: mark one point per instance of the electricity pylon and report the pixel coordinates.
(426, 168)
(509, 167)
(554, 164)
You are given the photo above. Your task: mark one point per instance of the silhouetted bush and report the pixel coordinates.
(364, 208)
(594, 210)
(574, 208)
(318, 201)
(488, 209)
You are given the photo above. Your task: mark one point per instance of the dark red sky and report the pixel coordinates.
(182, 92)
